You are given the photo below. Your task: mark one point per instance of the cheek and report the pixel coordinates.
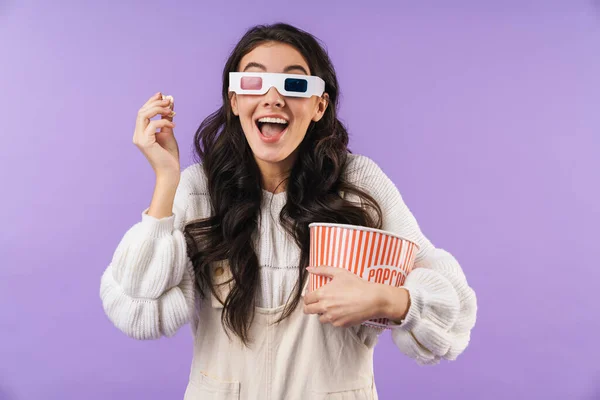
(303, 112)
(246, 105)
(246, 109)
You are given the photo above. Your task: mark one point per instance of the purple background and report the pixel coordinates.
(484, 114)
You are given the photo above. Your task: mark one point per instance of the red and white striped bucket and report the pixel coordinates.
(372, 254)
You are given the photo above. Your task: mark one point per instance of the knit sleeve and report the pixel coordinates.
(147, 290)
(443, 307)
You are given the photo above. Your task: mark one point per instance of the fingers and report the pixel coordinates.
(326, 271)
(157, 103)
(148, 136)
(158, 124)
(320, 309)
(145, 128)
(171, 104)
(169, 99)
(155, 96)
(325, 318)
(149, 113)
(311, 297)
(158, 99)
(314, 308)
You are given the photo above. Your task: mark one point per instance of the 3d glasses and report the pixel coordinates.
(291, 85)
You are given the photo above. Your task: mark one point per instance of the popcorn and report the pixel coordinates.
(170, 98)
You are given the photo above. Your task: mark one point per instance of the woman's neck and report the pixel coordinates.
(274, 175)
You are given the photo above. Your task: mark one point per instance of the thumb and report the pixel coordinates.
(166, 132)
(169, 117)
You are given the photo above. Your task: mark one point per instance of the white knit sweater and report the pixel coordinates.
(147, 291)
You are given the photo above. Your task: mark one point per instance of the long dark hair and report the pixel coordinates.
(234, 184)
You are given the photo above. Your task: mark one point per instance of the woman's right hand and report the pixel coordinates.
(159, 148)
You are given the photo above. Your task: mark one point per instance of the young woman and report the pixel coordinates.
(225, 243)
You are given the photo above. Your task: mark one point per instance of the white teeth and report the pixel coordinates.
(273, 120)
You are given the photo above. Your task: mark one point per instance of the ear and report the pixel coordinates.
(321, 107)
(233, 102)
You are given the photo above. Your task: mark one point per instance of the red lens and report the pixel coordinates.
(251, 83)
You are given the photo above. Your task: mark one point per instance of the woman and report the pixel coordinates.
(225, 243)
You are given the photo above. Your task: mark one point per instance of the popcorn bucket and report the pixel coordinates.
(372, 254)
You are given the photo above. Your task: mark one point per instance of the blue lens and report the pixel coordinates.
(296, 85)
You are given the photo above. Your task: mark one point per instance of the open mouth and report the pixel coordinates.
(271, 127)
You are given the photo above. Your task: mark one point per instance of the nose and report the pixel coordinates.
(273, 98)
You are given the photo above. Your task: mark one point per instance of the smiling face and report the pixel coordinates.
(274, 140)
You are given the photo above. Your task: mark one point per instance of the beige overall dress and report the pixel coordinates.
(298, 359)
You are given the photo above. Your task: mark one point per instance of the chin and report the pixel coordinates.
(271, 156)
(273, 153)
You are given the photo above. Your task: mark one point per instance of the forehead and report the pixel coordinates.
(274, 56)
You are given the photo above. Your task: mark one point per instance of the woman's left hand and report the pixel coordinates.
(345, 301)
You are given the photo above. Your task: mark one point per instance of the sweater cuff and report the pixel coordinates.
(414, 311)
(156, 227)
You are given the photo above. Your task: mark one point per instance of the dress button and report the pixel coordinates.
(219, 271)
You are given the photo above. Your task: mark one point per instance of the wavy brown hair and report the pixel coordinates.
(234, 185)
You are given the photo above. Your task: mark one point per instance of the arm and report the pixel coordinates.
(147, 290)
(439, 306)
(434, 311)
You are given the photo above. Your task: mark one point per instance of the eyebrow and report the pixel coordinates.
(285, 70)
